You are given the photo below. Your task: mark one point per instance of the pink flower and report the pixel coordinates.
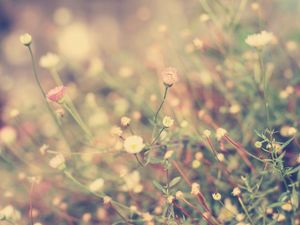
(169, 76)
(56, 94)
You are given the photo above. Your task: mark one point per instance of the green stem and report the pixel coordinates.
(161, 104)
(245, 210)
(45, 97)
(156, 138)
(265, 88)
(78, 120)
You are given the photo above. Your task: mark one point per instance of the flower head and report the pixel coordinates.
(26, 39)
(169, 76)
(96, 185)
(236, 191)
(259, 40)
(50, 60)
(56, 94)
(58, 162)
(195, 189)
(125, 121)
(217, 196)
(134, 144)
(168, 121)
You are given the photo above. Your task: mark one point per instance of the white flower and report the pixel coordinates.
(8, 135)
(134, 144)
(10, 213)
(116, 131)
(179, 194)
(57, 162)
(206, 133)
(168, 154)
(49, 61)
(195, 189)
(106, 200)
(220, 132)
(125, 121)
(26, 39)
(96, 185)
(236, 191)
(259, 40)
(217, 196)
(168, 121)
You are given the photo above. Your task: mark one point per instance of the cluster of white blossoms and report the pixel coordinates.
(260, 40)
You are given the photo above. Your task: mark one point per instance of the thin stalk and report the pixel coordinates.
(161, 104)
(45, 97)
(245, 210)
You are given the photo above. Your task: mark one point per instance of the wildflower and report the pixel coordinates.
(26, 39)
(168, 154)
(132, 182)
(86, 217)
(199, 156)
(204, 17)
(8, 135)
(184, 124)
(147, 217)
(198, 43)
(43, 149)
(106, 200)
(258, 144)
(287, 207)
(125, 121)
(49, 61)
(279, 217)
(269, 211)
(196, 164)
(236, 191)
(96, 185)
(206, 133)
(220, 132)
(56, 94)
(259, 40)
(255, 6)
(240, 217)
(217, 196)
(10, 213)
(179, 195)
(37, 224)
(134, 144)
(116, 131)
(287, 131)
(195, 189)
(220, 157)
(169, 76)
(170, 199)
(228, 211)
(58, 162)
(168, 121)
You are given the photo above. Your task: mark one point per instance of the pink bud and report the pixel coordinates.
(56, 94)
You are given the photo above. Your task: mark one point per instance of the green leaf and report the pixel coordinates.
(295, 198)
(174, 181)
(276, 204)
(159, 186)
(286, 143)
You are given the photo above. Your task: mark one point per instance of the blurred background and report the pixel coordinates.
(111, 54)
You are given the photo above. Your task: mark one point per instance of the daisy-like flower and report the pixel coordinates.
(220, 132)
(106, 200)
(125, 121)
(96, 185)
(49, 61)
(58, 162)
(168, 154)
(260, 40)
(134, 144)
(195, 189)
(26, 39)
(168, 121)
(236, 191)
(169, 76)
(217, 196)
(56, 94)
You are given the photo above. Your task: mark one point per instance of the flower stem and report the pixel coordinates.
(161, 104)
(245, 210)
(44, 96)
